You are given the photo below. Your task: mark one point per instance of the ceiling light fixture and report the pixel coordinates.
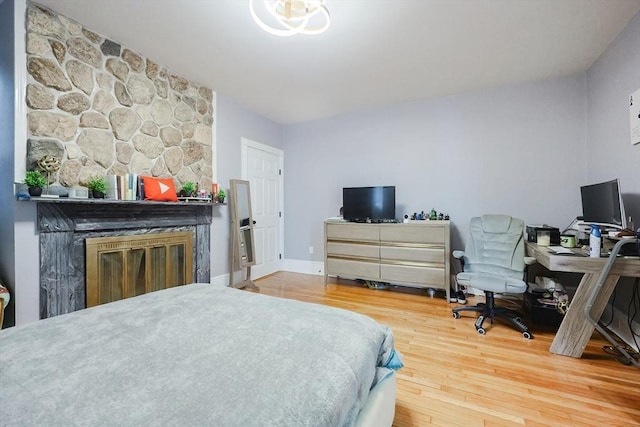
(294, 16)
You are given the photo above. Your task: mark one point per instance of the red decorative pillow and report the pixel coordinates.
(159, 189)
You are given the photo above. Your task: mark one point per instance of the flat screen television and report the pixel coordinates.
(364, 204)
(602, 204)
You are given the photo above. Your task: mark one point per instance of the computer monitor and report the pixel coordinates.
(602, 205)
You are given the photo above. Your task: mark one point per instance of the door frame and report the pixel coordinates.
(245, 144)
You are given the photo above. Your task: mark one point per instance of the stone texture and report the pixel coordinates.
(173, 159)
(185, 175)
(42, 21)
(91, 119)
(193, 152)
(152, 69)
(144, 111)
(95, 38)
(74, 103)
(38, 148)
(124, 123)
(58, 126)
(69, 173)
(97, 145)
(183, 113)
(39, 98)
(122, 95)
(105, 81)
(161, 112)
(201, 106)
(149, 146)
(58, 49)
(177, 83)
(170, 136)
(161, 88)
(118, 68)
(103, 102)
(48, 73)
(190, 101)
(118, 169)
(37, 45)
(158, 167)
(88, 172)
(203, 135)
(188, 130)
(81, 75)
(84, 51)
(124, 152)
(134, 60)
(141, 89)
(110, 48)
(73, 151)
(207, 120)
(140, 162)
(206, 93)
(149, 128)
(73, 27)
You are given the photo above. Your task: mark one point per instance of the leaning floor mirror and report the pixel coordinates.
(242, 254)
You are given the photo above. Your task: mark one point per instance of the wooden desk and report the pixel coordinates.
(575, 330)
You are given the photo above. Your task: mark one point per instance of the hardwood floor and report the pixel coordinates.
(455, 377)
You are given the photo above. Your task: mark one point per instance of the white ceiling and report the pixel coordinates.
(375, 53)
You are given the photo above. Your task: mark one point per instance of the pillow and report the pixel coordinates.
(159, 189)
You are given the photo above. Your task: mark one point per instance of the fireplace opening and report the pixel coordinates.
(125, 266)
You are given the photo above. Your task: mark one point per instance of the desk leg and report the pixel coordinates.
(575, 330)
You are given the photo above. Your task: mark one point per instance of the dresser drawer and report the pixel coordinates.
(410, 233)
(355, 232)
(353, 250)
(426, 276)
(399, 253)
(353, 269)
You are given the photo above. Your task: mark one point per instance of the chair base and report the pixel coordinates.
(490, 311)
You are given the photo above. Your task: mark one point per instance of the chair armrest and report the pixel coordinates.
(458, 254)
(529, 260)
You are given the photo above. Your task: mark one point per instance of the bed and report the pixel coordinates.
(199, 354)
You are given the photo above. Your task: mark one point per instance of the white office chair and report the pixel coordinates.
(494, 261)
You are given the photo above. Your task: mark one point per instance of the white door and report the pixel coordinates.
(262, 167)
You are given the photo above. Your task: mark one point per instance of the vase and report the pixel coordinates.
(35, 191)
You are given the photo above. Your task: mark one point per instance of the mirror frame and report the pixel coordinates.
(242, 239)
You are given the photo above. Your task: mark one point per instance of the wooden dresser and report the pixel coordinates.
(414, 254)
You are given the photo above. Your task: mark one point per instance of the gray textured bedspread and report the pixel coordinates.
(196, 355)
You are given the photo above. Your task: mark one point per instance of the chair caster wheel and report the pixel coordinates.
(518, 319)
(456, 315)
(527, 335)
(481, 331)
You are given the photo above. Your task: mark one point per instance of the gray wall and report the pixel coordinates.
(610, 81)
(6, 148)
(233, 123)
(510, 150)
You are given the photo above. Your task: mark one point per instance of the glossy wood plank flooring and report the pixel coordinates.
(455, 377)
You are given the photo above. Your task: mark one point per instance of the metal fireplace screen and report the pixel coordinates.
(125, 266)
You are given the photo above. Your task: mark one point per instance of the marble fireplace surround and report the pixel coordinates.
(63, 226)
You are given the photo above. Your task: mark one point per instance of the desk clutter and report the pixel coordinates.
(546, 302)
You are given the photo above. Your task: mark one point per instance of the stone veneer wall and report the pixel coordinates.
(104, 109)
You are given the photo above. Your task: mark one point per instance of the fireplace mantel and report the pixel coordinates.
(64, 224)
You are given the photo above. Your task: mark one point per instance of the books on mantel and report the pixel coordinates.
(124, 187)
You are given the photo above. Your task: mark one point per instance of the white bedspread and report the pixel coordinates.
(192, 356)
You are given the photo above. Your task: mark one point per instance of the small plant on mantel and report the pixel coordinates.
(35, 181)
(97, 187)
(188, 189)
(221, 196)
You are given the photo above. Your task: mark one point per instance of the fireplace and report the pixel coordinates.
(66, 232)
(125, 266)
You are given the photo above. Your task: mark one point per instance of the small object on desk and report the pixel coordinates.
(560, 250)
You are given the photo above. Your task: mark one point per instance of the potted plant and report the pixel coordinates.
(97, 187)
(221, 196)
(187, 190)
(35, 181)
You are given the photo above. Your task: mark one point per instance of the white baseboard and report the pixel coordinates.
(292, 265)
(305, 267)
